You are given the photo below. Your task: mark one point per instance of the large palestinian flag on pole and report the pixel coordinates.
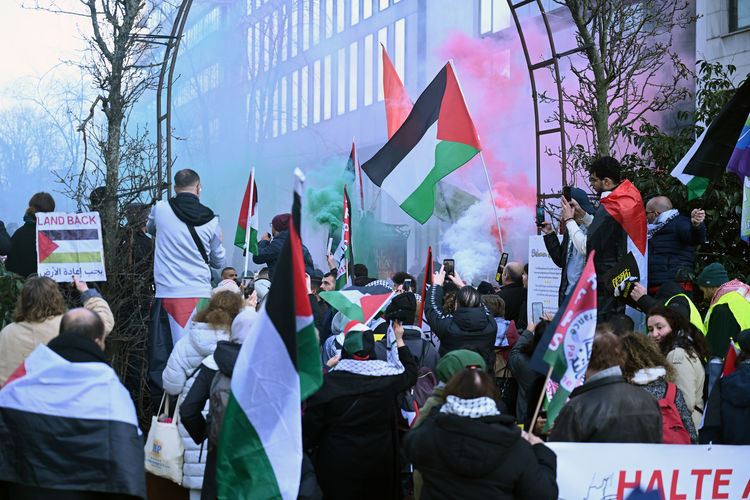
(260, 448)
(708, 158)
(437, 137)
(248, 219)
(69, 426)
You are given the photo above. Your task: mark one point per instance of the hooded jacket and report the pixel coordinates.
(179, 268)
(468, 326)
(269, 252)
(671, 251)
(461, 457)
(728, 411)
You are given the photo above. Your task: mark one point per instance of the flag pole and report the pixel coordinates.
(492, 200)
(484, 165)
(539, 403)
(249, 218)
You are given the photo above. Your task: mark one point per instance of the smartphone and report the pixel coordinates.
(407, 285)
(539, 215)
(449, 266)
(566, 192)
(248, 285)
(500, 266)
(537, 309)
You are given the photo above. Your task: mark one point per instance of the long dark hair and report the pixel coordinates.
(683, 334)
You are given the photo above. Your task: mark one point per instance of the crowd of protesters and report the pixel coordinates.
(436, 397)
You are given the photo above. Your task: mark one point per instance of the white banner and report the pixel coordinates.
(544, 279)
(68, 245)
(610, 471)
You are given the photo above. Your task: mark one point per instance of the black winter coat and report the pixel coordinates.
(269, 252)
(609, 239)
(350, 426)
(461, 457)
(671, 251)
(467, 327)
(609, 410)
(5, 244)
(529, 381)
(728, 411)
(22, 257)
(514, 296)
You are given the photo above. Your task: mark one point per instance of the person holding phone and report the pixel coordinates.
(570, 255)
(513, 293)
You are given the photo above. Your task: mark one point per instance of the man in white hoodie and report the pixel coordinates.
(188, 244)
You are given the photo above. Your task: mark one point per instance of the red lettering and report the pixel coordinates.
(700, 473)
(622, 483)
(746, 493)
(71, 220)
(656, 479)
(673, 495)
(718, 482)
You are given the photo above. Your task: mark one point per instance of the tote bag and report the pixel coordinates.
(164, 449)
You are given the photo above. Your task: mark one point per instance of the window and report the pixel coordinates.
(284, 25)
(400, 42)
(303, 98)
(368, 76)
(366, 8)
(250, 58)
(275, 110)
(340, 20)
(266, 44)
(355, 12)
(293, 25)
(329, 18)
(274, 38)
(306, 25)
(316, 91)
(283, 110)
(341, 82)
(739, 14)
(494, 15)
(383, 4)
(316, 8)
(256, 111)
(382, 39)
(295, 100)
(327, 89)
(353, 76)
(250, 6)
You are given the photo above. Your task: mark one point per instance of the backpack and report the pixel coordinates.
(674, 430)
(411, 400)
(217, 405)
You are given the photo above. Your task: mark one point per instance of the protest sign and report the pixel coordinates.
(68, 245)
(599, 471)
(544, 278)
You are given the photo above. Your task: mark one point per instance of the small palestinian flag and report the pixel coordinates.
(344, 254)
(57, 246)
(260, 448)
(241, 237)
(708, 158)
(439, 127)
(359, 303)
(69, 426)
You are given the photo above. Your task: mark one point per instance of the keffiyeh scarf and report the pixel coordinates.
(472, 408)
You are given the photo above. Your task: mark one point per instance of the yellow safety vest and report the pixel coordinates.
(695, 316)
(739, 304)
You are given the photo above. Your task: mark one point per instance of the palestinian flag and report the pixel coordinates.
(739, 162)
(344, 254)
(77, 246)
(566, 345)
(359, 303)
(397, 102)
(69, 426)
(241, 237)
(260, 448)
(625, 205)
(708, 157)
(427, 281)
(439, 127)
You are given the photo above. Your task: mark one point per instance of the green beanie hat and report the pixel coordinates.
(712, 275)
(455, 361)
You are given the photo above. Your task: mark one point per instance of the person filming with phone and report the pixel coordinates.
(513, 293)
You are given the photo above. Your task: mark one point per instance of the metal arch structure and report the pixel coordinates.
(538, 121)
(164, 106)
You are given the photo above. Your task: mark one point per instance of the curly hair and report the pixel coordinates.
(40, 299)
(221, 311)
(683, 334)
(449, 302)
(642, 352)
(606, 351)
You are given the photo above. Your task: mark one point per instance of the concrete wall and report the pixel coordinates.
(714, 42)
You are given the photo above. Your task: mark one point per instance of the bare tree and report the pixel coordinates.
(630, 67)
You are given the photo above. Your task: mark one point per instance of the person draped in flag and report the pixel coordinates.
(606, 409)
(350, 421)
(68, 426)
(271, 244)
(618, 226)
(188, 245)
(728, 409)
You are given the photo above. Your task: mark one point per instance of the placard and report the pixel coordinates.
(544, 278)
(69, 244)
(610, 471)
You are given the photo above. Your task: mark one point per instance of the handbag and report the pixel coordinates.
(164, 449)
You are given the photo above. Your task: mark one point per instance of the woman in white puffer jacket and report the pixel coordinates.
(209, 326)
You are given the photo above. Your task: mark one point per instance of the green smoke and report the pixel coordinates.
(324, 201)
